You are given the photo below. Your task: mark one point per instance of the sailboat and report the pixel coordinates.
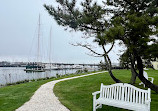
(36, 66)
(50, 66)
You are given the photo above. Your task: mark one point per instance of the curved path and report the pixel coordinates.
(45, 100)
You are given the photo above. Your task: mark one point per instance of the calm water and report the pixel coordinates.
(15, 74)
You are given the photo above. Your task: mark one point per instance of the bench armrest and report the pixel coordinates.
(148, 101)
(95, 93)
(152, 79)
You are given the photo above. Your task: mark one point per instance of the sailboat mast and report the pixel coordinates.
(37, 67)
(50, 46)
(38, 47)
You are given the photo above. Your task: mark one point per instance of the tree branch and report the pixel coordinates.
(87, 47)
(129, 3)
(93, 55)
(111, 47)
(141, 6)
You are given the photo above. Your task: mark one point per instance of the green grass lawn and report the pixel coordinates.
(12, 97)
(76, 94)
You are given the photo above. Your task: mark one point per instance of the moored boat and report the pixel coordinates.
(35, 67)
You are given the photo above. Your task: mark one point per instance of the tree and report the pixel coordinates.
(138, 20)
(88, 18)
(126, 59)
(102, 65)
(132, 22)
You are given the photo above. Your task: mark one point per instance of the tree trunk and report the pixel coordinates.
(109, 66)
(142, 78)
(133, 76)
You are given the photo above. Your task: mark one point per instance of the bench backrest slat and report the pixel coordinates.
(117, 91)
(104, 94)
(125, 89)
(139, 97)
(128, 93)
(113, 92)
(146, 97)
(143, 98)
(108, 93)
(134, 95)
(125, 92)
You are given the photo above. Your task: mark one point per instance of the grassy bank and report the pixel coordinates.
(12, 97)
(76, 94)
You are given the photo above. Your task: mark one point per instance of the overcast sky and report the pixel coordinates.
(18, 35)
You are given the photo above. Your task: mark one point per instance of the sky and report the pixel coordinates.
(18, 35)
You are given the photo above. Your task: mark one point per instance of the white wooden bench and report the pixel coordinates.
(124, 96)
(146, 76)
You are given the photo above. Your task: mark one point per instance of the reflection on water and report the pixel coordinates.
(15, 74)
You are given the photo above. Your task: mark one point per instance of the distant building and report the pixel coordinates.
(12, 64)
(4, 63)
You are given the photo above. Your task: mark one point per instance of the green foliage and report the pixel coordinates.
(133, 22)
(125, 60)
(137, 21)
(89, 18)
(136, 26)
(12, 97)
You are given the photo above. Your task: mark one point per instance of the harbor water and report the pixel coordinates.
(10, 75)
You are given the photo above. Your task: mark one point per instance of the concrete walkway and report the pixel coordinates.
(45, 100)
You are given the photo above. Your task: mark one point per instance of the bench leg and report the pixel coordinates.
(94, 105)
(94, 108)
